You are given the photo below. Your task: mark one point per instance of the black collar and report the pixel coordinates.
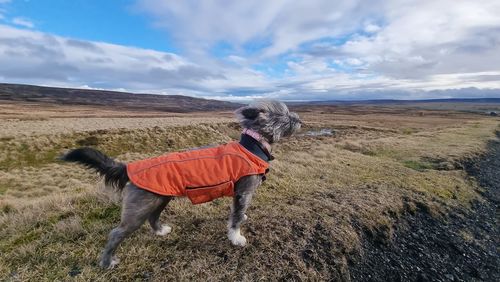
(255, 147)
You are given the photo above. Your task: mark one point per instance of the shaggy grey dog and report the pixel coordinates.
(270, 119)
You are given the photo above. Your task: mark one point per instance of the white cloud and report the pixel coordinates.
(404, 45)
(285, 23)
(43, 58)
(23, 22)
(422, 38)
(309, 66)
(371, 28)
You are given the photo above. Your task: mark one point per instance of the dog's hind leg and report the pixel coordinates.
(243, 192)
(137, 206)
(154, 219)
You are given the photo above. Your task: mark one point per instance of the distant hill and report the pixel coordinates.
(68, 96)
(179, 103)
(472, 105)
(401, 102)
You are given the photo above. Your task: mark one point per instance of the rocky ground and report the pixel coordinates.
(461, 247)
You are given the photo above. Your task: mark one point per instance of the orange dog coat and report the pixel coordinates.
(202, 175)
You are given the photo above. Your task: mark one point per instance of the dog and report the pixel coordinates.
(149, 185)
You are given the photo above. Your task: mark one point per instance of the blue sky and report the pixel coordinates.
(241, 50)
(108, 21)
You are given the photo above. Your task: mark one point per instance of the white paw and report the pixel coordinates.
(236, 238)
(165, 229)
(245, 217)
(114, 262)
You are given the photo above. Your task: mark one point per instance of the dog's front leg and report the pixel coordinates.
(243, 192)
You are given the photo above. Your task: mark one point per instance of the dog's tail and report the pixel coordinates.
(115, 173)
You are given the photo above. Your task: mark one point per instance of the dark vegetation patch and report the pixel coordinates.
(431, 163)
(6, 138)
(5, 208)
(408, 131)
(88, 141)
(3, 188)
(101, 214)
(418, 165)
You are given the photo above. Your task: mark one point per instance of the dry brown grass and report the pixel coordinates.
(306, 222)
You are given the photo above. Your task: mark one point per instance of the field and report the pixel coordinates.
(351, 176)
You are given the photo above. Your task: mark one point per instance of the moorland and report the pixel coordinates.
(363, 192)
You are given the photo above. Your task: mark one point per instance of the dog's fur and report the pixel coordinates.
(269, 118)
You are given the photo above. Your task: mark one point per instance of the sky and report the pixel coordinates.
(291, 50)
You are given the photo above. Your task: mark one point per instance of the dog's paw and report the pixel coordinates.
(109, 264)
(165, 229)
(114, 261)
(239, 240)
(245, 217)
(236, 238)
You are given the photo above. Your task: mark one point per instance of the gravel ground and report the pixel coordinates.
(463, 247)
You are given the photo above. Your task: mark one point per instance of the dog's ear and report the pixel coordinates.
(248, 112)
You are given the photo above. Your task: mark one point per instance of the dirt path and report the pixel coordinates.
(464, 247)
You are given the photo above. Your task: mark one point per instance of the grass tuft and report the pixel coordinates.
(100, 214)
(418, 165)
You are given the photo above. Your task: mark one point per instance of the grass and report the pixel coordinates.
(322, 197)
(37, 151)
(4, 187)
(100, 214)
(407, 131)
(418, 165)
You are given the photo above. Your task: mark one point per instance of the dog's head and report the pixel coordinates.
(271, 119)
